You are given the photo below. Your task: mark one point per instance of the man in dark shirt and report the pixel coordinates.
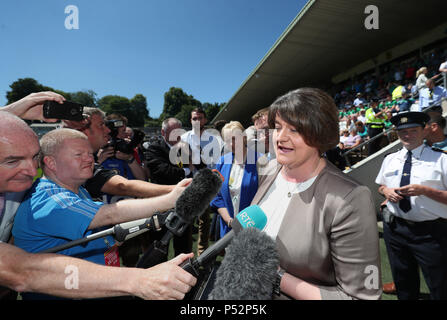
(109, 181)
(166, 168)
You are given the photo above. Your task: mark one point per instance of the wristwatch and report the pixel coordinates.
(129, 161)
(277, 285)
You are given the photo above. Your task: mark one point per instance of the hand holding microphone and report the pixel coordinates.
(252, 216)
(192, 203)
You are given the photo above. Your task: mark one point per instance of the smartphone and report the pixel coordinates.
(66, 111)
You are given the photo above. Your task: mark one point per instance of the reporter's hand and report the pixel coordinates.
(123, 156)
(166, 281)
(31, 106)
(178, 190)
(104, 154)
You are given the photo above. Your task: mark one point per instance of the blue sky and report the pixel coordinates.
(206, 47)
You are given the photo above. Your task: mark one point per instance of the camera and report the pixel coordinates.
(121, 144)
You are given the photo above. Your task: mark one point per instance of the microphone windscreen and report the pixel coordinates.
(197, 196)
(248, 270)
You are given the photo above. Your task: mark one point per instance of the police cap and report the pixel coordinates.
(410, 119)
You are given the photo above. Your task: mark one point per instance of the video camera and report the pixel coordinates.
(121, 144)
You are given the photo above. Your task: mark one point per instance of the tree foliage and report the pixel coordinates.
(177, 103)
(86, 98)
(175, 100)
(135, 109)
(25, 86)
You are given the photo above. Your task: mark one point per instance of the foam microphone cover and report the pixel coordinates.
(248, 271)
(197, 196)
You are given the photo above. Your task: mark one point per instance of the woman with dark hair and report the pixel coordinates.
(323, 221)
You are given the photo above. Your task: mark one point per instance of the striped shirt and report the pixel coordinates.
(51, 215)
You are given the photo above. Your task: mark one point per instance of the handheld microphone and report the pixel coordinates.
(250, 217)
(192, 203)
(121, 232)
(248, 270)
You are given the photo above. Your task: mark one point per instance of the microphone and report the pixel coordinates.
(250, 217)
(194, 200)
(121, 232)
(248, 270)
(192, 203)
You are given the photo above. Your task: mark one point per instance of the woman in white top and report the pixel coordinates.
(421, 78)
(238, 167)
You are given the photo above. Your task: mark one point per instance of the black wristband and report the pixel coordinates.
(277, 286)
(130, 160)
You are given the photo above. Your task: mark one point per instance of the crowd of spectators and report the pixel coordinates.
(399, 87)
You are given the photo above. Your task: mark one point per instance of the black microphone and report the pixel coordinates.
(248, 270)
(252, 216)
(120, 232)
(192, 203)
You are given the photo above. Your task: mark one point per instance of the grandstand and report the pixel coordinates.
(327, 43)
(328, 46)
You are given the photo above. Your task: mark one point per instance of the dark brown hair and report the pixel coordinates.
(312, 112)
(198, 110)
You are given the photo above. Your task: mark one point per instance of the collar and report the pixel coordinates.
(416, 153)
(167, 143)
(440, 144)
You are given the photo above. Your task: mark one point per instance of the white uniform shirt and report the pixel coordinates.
(428, 168)
(427, 98)
(206, 147)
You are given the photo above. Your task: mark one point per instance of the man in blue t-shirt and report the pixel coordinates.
(38, 225)
(58, 209)
(25, 272)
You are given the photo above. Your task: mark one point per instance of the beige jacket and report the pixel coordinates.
(329, 235)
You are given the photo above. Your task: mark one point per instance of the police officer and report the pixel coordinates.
(414, 183)
(375, 122)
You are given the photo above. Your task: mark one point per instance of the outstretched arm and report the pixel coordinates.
(69, 277)
(31, 106)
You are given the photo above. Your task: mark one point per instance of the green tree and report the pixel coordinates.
(139, 110)
(175, 99)
(212, 109)
(135, 110)
(25, 86)
(114, 104)
(86, 98)
(185, 115)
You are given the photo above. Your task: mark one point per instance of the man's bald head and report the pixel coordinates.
(19, 150)
(10, 125)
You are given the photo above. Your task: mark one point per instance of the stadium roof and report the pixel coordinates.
(325, 39)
